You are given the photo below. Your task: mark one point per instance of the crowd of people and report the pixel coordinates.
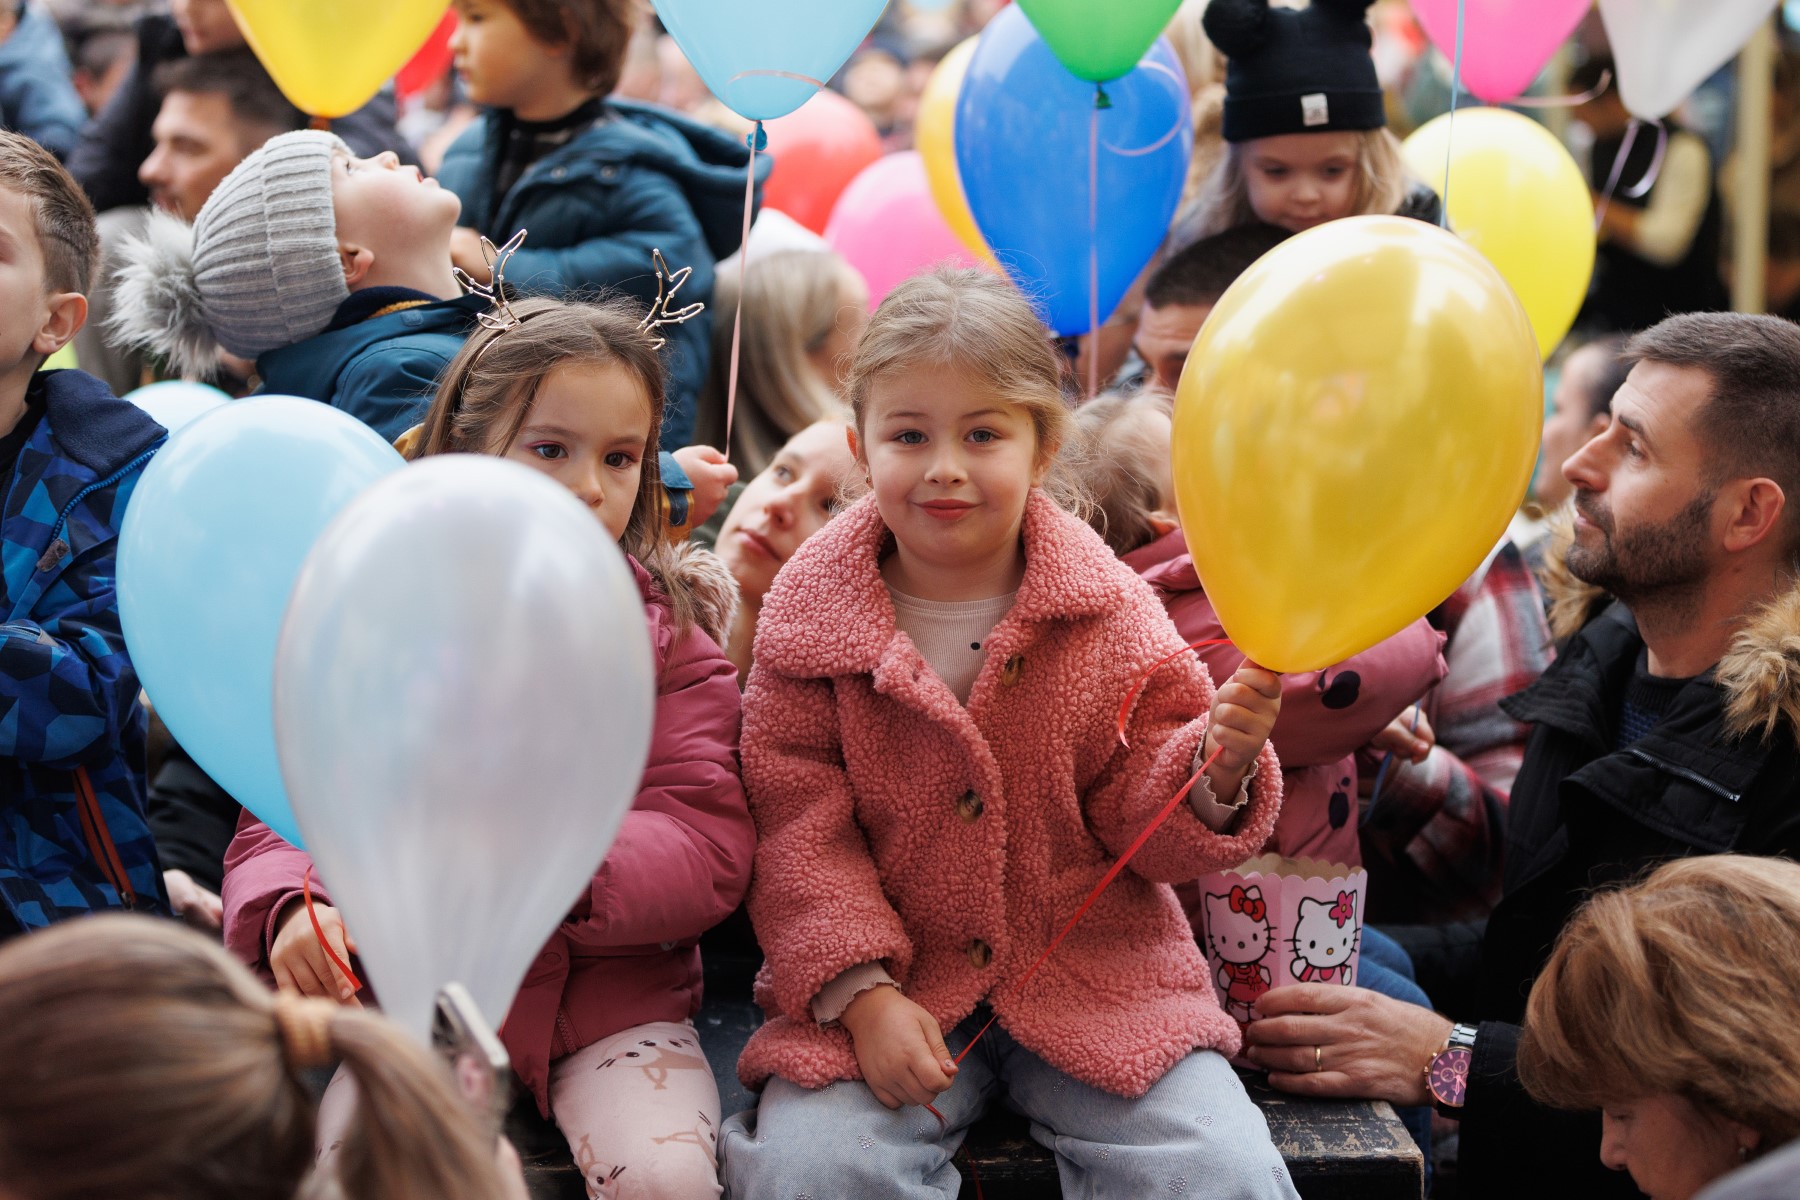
(899, 571)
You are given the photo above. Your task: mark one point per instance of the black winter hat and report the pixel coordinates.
(1295, 71)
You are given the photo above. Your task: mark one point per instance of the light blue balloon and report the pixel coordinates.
(1022, 129)
(765, 58)
(174, 403)
(213, 540)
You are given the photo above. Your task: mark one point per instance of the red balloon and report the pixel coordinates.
(818, 149)
(430, 64)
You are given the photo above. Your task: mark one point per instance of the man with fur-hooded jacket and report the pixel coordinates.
(1668, 726)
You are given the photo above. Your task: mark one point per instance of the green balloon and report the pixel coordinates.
(1099, 39)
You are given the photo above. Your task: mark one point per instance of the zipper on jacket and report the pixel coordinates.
(1693, 777)
(565, 1029)
(59, 549)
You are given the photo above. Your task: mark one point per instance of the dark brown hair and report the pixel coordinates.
(1751, 422)
(486, 394)
(66, 232)
(1198, 274)
(137, 1057)
(241, 78)
(597, 32)
(1685, 983)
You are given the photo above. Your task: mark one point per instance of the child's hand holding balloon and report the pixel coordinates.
(299, 961)
(1243, 716)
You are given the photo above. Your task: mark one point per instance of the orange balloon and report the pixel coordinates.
(818, 149)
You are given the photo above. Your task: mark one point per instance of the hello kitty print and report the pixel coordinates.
(1274, 922)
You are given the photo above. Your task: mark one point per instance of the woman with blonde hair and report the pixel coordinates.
(137, 1058)
(802, 314)
(1670, 1007)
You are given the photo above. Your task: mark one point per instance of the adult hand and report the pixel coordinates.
(193, 903)
(300, 963)
(465, 252)
(711, 476)
(1243, 715)
(899, 1047)
(1405, 740)
(1320, 1039)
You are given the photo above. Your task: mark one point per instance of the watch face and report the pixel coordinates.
(1449, 1078)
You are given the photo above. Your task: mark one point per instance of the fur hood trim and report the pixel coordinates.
(709, 584)
(1759, 674)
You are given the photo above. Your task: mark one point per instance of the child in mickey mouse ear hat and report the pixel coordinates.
(1304, 121)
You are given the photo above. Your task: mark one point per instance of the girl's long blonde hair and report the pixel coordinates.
(138, 1058)
(791, 306)
(1685, 983)
(485, 396)
(976, 323)
(1381, 184)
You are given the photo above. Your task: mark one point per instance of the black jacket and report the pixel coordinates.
(1721, 772)
(117, 141)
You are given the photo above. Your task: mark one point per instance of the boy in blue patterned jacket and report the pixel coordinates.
(73, 837)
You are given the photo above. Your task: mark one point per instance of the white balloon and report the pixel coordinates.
(464, 691)
(1664, 49)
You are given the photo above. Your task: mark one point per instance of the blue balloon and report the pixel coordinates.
(213, 540)
(173, 403)
(765, 58)
(1022, 132)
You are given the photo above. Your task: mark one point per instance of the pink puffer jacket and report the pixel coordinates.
(1326, 716)
(628, 954)
(952, 843)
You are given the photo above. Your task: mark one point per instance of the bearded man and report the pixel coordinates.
(1667, 727)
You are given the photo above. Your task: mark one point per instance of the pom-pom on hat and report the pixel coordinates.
(1295, 71)
(259, 269)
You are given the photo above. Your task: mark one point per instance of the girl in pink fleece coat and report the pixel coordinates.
(601, 1031)
(933, 761)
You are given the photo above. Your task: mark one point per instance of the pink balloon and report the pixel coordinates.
(1505, 42)
(889, 227)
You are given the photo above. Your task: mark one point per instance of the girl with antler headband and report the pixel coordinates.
(601, 1032)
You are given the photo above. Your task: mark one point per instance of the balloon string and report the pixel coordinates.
(1105, 882)
(1094, 245)
(1593, 93)
(1450, 126)
(319, 932)
(1618, 169)
(1637, 190)
(1143, 680)
(756, 141)
(1387, 760)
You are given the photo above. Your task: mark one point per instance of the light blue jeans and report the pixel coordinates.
(1195, 1133)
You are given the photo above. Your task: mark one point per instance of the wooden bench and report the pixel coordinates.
(1335, 1150)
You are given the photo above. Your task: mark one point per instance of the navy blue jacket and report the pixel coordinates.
(68, 694)
(36, 97)
(382, 371)
(640, 178)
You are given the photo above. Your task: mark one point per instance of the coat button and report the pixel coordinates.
(609, 172)
(980, 954)
(1015, 666)
(559, 172)
(970, 807)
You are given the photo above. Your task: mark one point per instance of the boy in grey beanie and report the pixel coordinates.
(331, 272)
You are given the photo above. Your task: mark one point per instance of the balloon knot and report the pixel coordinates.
(756, 139)
(1101, 99)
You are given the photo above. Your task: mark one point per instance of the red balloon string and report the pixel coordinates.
(1137, 689)
(319, 932)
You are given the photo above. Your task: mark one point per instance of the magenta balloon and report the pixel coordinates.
(1505, 42)
(889, 227)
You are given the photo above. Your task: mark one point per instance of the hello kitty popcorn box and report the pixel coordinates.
(1276, 921)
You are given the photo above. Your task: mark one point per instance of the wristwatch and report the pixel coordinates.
(1447, 1074)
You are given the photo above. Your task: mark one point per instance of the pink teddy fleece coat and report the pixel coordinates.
(951, 843)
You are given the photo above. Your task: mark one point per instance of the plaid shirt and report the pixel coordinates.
(1435, 836)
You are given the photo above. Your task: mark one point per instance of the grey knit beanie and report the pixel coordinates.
(265, 246)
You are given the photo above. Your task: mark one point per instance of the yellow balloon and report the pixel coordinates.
(934, 135)
(1516, 196)
(1356, 425)
(330, 56)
